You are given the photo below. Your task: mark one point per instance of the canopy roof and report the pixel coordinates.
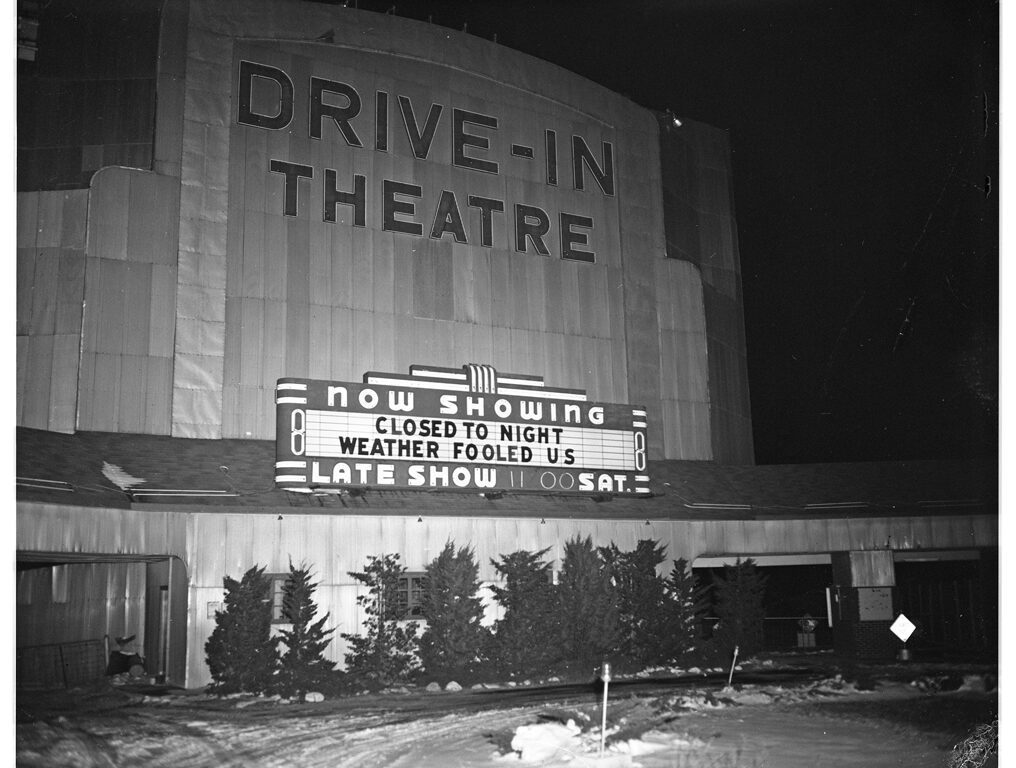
(134, 471)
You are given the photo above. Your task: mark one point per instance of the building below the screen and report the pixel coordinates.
(302, 283)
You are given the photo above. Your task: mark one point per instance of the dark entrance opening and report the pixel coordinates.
(954, 604)
(73, 607)
(795, 606)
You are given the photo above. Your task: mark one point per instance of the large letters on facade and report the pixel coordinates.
(268, 99)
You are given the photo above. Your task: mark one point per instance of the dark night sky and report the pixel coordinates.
(864, 135)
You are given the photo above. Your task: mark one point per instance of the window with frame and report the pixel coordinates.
(277, 582)
(410, 595)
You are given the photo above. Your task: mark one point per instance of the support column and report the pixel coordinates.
(864, 604)
(166, 597)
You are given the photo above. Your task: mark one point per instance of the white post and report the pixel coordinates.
(732, 663)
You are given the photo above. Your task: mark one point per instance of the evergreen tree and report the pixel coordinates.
(386, 654)
(519, 646)
(453, 643)
(740, 593)
(241, 654)
(586, 607)
(303, 665)
(686, 602)
(642, 601)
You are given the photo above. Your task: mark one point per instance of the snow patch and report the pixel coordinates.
(978, 683)
(120, 477)
(565, 745)
(751, 697)
(546, 741)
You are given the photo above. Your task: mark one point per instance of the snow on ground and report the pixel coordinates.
(749, 726)
(735, 728)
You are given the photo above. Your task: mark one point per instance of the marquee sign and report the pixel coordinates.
(448, 428)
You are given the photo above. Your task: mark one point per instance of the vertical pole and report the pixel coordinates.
(169, 622)
(730, 677)
(973, 613)
(63, 665)
(920, 601)
(605, 676)
(164, 607)
(942, 615)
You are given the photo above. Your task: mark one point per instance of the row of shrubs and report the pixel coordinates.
(608, 605)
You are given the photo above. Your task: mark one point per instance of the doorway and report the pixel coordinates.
(71, 608)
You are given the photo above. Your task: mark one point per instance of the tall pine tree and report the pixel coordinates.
(452, 646)
(586, 607)
(519, 646)
(303, 665)
(386, 652)
(641, 601)
(241, 654)
(739, 602)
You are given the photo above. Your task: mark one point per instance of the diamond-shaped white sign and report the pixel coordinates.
(903, 628)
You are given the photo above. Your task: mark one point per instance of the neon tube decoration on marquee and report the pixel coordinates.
(468, 428)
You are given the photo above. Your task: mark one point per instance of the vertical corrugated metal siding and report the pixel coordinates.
(684, 363)
(50, 291)
(351, 301)
(94, 530)
(130, 295)
(305, 298)
(333, 545)
(872, 568)
(109, 599)
(101, 599)
(701, 230)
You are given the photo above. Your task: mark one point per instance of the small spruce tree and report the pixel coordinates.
(519, 646)
(241, 654)
(586, 608)
(303, 665)
(686, 603)
(740, 594)
(452, 645)
(386, 652)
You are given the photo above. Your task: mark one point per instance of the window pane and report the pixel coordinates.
(411, 596)
(278, 582)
